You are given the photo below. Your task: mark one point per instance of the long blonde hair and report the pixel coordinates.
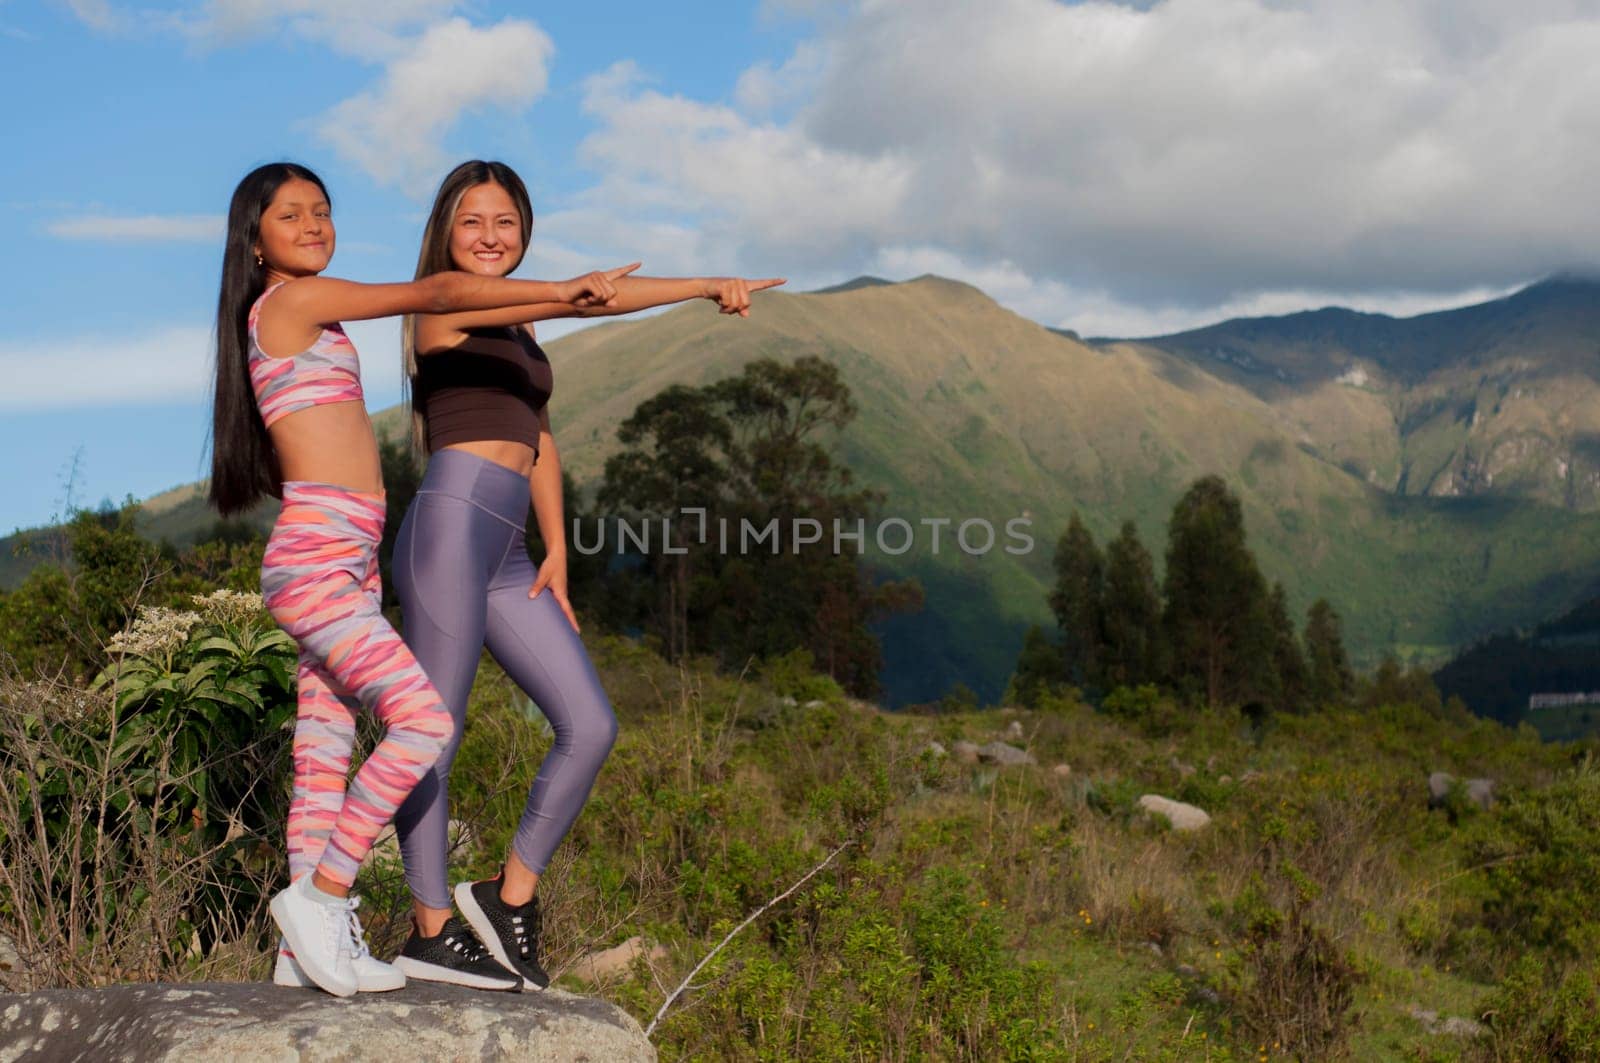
(435, 258)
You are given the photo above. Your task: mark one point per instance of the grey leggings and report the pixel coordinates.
(462, 573)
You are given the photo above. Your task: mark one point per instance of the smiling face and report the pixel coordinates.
(486, 232)
(296, 238)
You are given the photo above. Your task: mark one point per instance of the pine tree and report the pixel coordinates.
(1131, 614)
(1289, 661)
(1039, 670)
(1329, 680)
(1077, 601)
(1217, 612)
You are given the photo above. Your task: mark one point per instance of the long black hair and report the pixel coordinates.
(244, 466)
(435, 258)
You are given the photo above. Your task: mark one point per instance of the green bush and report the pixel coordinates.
(1537, 856)
(1538, 1013)
(139, 816)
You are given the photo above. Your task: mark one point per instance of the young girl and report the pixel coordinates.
(480, 384)
(289, 421)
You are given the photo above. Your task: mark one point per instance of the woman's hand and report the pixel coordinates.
(553, 575)
(732, 294)
(594, 289)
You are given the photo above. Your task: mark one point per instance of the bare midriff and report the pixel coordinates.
(518, 457)
(329, 444)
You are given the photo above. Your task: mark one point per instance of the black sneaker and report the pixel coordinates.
(511, 934)
(456, 956)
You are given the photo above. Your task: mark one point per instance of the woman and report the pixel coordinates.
(480, 385)
(289, 421)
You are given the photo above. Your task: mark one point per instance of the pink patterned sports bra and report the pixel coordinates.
(327, 371)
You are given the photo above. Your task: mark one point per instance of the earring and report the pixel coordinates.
(258, 259)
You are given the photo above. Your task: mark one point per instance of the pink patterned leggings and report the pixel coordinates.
(319, 579)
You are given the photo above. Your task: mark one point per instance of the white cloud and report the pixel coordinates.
(105, 370)
(1192, 155)
(161, 366)
(762, 186)
(145, 228)
(1092, 311)
(97, 14)
(368, 28)
(395, 130)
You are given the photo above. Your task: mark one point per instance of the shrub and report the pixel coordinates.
(134, 812)
(1543, 1014)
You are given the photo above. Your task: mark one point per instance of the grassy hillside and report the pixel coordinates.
(968, 410)
(951, 908)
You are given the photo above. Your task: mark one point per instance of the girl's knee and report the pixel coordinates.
(430, 731)
(600, 731)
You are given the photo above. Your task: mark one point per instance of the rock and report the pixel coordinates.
(1439, 784)
(1456, 1026)
(616, 961)
(814, 703)
(1062, 770)
(1184, 970)
(936, 749)
(260, 1021)
(1014, 730)
(1183, 770)
(1224, 779)
(1182, 817)
(13, 972)
(1206, 995)
(1451, 1026)
(966, 752)
(1479, 791)
(1000, 753)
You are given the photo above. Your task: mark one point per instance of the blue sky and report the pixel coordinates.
(1119, 168)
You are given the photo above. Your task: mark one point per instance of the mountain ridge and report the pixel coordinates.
(969, 410)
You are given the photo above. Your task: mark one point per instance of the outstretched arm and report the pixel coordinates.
(320, 300)
(731, 294)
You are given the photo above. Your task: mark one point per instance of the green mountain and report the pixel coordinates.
(1434, 477)
(968, 410)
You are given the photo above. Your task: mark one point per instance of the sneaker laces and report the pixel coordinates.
(357, 937)
(466, 943)
(529, 933)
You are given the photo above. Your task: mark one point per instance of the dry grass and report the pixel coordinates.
(98, 888)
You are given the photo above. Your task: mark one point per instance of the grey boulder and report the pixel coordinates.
(246, 1022)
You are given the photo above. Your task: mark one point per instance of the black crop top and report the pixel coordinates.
(491, 387)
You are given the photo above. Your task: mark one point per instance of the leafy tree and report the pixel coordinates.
(63, 613)
(744, 451)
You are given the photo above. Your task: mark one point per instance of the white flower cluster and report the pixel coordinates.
(155, 630)
(229, 606)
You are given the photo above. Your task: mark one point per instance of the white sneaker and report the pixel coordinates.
(319, 935)
(372, 974)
